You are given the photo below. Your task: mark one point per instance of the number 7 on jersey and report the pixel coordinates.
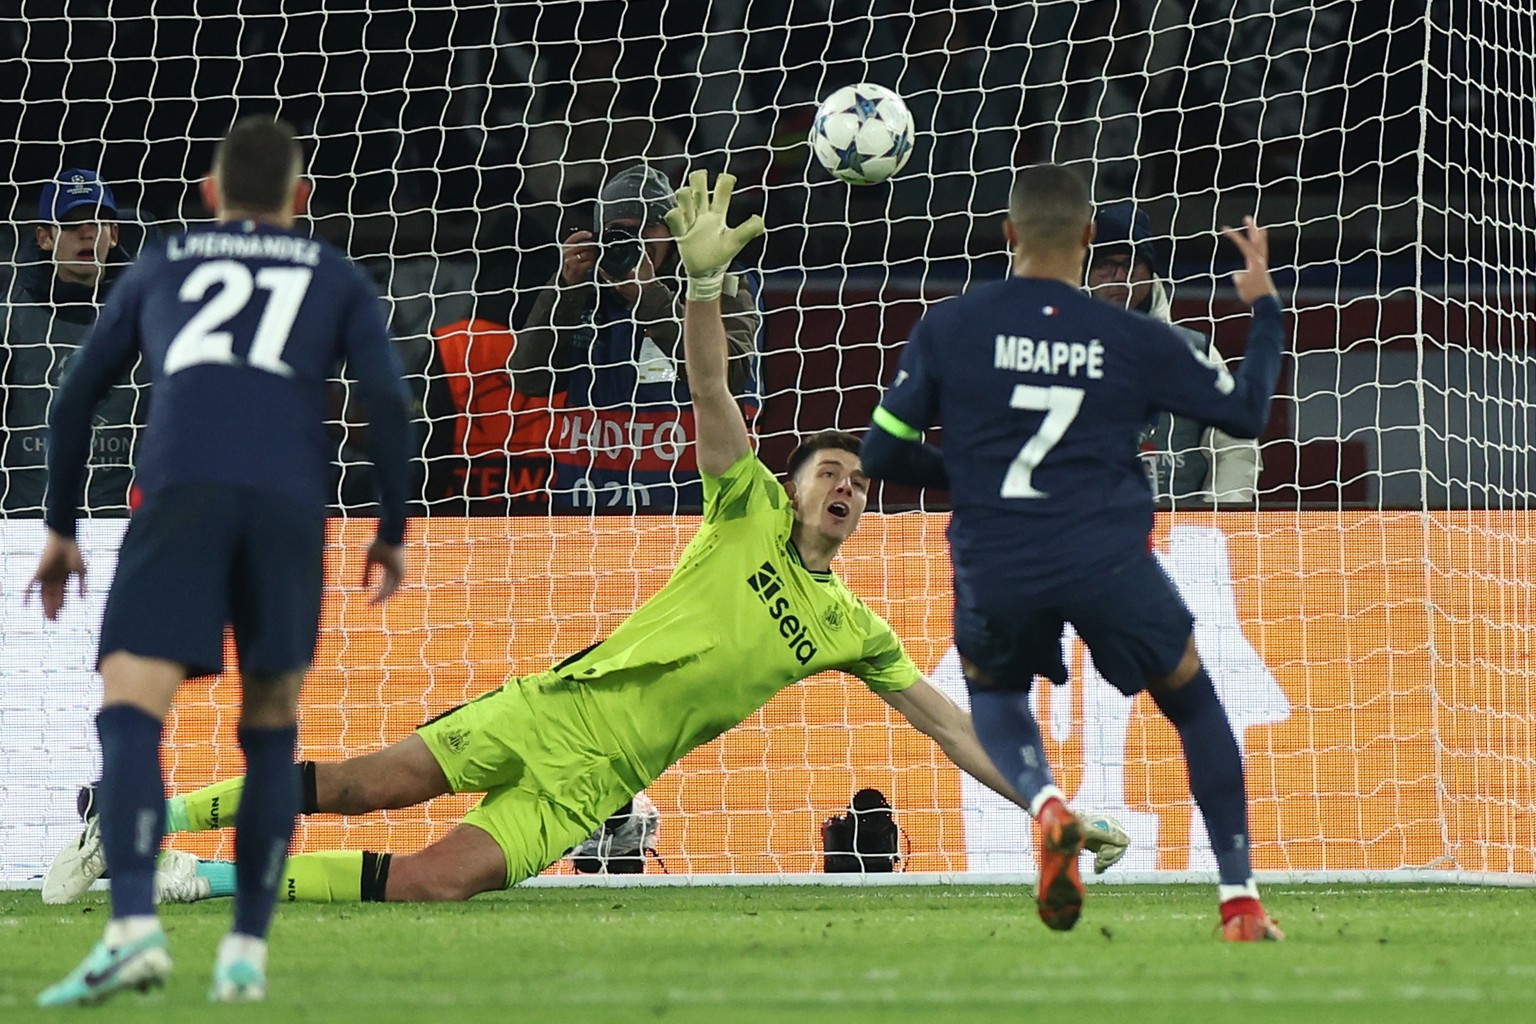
(1060, 405)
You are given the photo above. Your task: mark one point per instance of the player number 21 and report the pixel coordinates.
(1060, 406)
(200, 341)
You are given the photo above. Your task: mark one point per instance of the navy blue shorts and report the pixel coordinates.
(200, 557)
(1134, 622)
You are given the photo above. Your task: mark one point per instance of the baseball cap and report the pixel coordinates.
(1122, 224)
(640, 193)
(71, 190)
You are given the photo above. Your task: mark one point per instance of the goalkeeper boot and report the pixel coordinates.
(141, 964)
(77, 866)
(177, 880)
(1104, 837)
(1060, 896)
(240, 972)
(1243, 920)
(86, 798)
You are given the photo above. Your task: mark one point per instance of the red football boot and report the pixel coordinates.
(1060, 897)
(1243, 920)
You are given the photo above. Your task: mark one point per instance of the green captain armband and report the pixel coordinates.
(887, 422)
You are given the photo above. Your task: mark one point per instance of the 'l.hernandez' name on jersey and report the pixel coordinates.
(241, 325)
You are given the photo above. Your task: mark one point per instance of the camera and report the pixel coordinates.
(618, 252)
(866, 839)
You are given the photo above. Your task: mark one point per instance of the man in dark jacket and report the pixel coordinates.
(603, 346)
(63, 275)
(1185, 459)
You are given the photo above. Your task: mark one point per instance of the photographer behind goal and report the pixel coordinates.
(603, 343)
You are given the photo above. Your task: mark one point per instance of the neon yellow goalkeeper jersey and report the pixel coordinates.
(740, 619)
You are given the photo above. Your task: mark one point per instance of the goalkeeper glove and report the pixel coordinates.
(1104, 837)
(704, 243)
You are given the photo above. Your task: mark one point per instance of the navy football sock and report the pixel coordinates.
(1011, 737)
(132, 801)
(1215, 771)
(264, 824)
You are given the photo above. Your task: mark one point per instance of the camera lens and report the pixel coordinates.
(619, 252)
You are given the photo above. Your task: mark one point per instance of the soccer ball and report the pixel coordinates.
(862, 133)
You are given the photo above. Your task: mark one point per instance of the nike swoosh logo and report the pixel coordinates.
(94, 978)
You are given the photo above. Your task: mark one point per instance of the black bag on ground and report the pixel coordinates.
(865, 839)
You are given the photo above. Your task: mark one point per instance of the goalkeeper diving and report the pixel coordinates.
(752, 608)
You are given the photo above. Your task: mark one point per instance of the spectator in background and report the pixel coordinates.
(63, 277)
(1185, 459)
(488, 453)
(604, 340)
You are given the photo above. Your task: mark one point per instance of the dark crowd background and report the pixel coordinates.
(453, 144)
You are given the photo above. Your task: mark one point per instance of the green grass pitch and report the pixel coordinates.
(1141, 954)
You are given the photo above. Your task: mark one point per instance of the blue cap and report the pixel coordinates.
(1122, 224)
(71, 190)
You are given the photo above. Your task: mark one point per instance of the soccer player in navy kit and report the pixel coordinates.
(1042, 392)
(242, 324)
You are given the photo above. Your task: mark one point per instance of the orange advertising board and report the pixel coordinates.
(1377, 666)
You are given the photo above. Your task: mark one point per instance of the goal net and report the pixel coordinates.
(1366, 611)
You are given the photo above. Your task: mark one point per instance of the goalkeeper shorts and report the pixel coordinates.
(548, 782)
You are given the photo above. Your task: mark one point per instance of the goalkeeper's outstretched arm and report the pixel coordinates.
(928, 710)
(707, 247)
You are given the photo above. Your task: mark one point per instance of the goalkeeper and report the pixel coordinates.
(752, 607)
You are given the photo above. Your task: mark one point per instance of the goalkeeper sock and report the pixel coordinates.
(329, 876)
(336, 876)
(220, 875)
(1011, 737)
(1215, 771)
(203, 809)
(264, 826)
(215, 806)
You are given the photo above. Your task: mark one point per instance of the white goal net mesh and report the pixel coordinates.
(1364, 596)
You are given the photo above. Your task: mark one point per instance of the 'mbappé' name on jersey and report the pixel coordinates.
(1031, 355)
(767, 584)
(1043, 392)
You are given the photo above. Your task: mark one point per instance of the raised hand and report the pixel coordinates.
(704, 242)
(1253, 281)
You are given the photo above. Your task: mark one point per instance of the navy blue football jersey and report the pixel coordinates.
(1042, 392)
(241, 325)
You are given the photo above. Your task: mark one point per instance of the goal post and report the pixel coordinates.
(1367, 621)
